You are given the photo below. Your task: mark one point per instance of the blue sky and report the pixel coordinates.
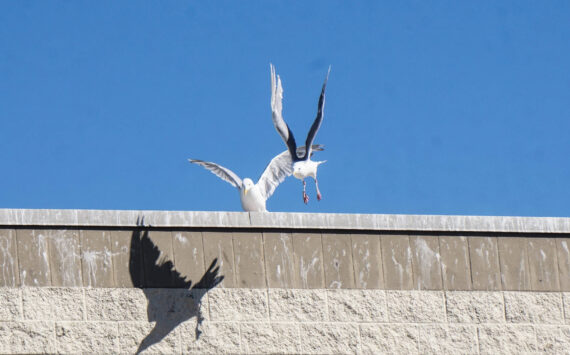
(433, 107)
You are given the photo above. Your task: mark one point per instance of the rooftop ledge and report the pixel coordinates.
(283, 220)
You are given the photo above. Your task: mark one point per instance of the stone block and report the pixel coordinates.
(485, 272)
(448, 339)
(506, 339)
(329, 338)
(367, 261)
(10, 304)
(280, 263)
(415, 306)
(309, 259)
(65, 258)
(216, 338)
(533, 307)
(337, 260)
(270, 338)
(474, 307)
(426, 262)
(189, 254)
(357, 305)
(513, 256)
(455, 265)
(5, 337)
(61, 303)
(389, 338)
(9, 272)
(135, 336)
(87, 337)
(563, 249)
(397, 262)
(249, 262)
(543, 264)
(27, 338)
(297, 305)
(33, 257)
(553, 339)
(238, 304)
(219, 245)
(97, 258)
(116, 304)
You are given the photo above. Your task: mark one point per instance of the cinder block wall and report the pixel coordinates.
(76, 281)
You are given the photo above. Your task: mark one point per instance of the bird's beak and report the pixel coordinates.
(245, 191)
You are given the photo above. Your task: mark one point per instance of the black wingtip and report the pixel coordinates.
(325, 84)
(322, 96)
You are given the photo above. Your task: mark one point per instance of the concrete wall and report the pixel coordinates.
(215, 282)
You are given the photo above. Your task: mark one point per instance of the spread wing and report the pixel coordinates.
(278, 169)
(220, 171)
(319, 119)
(277, 114)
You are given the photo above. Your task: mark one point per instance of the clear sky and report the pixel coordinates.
(433, 107)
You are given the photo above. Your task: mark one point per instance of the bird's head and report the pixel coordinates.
(297, 171)
(247, 185)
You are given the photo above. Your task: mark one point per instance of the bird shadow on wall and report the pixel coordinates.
(172, 299)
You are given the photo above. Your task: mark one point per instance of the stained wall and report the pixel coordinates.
(184, 282)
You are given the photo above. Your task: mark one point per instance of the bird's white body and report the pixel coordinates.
(306, 168)
(251, 197)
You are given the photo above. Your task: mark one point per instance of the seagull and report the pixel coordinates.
(303, 166)
(253, 196)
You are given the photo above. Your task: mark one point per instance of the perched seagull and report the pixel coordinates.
(253, 196)
(303, 166)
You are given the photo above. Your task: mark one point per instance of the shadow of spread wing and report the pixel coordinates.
(166, 308)
(158, 270)
(223, 173)
(210, 278)
(278, 169)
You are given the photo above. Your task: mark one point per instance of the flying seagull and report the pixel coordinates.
(253, 196)
(303, 166)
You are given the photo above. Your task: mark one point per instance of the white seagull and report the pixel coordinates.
(303, 166)
(253, 196)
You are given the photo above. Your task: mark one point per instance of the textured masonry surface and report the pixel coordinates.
(316, 321)
(118, 281)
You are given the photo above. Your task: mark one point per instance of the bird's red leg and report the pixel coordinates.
(319, 196)
(305, 196)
